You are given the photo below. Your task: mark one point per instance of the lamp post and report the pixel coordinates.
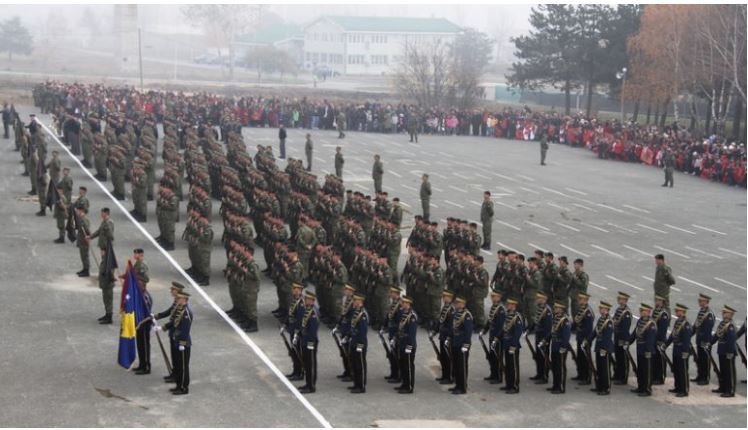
(622, 76)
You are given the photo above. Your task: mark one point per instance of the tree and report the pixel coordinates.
(423, 74)
(224, 22)
(547, 55)
(16, 38)
(470, 54)
(269, 59)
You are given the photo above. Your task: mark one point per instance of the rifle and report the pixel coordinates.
(483, 345)
(588, 354)
(163, 353)
(664, 354)
(291, 350)
(339, 343)
(714, 363)
(433, 344)
(533, 351)
(741, 353)
(631, 360)
(573, 353)
(385, 345)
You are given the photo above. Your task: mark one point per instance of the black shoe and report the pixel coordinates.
(496, 382)
(394, 381)
(342, 375)
(635, 390)
(25, 174)
(296, 378)
(603, 393)
(492, 378)
(32, 193)
(168, 246)
(620, 383)
(594, 389)
(585, 383)
(86, 164)
(727, 395)
(535, 378)
(358, 390)
(250, 326)
(512, 391)
(717, 390)
(681, 395)
(306, 390)
(702, 382)
(458, 392)
(557, 392)
(204, 282)
(41, 213)
(59, 240)
(549, 389)
(658, 382)
(672, 390)
(169, 379)
(446, 382)
(644, 394)
(180, 391)
(102, 318)
(542, 382)
(346, 379)
(576, 378)
(143, 372)
(106, 320)
(404, 391)
(83, 274)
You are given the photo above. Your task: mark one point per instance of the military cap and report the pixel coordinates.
(359, 296)
(407, 299)
(137, 251)
(448, 293)
(559, 305)
(540, 295)
(496, 292)
(728, 309)
(395, 290)
(511, 302)
(296, 285)
(310, 295)
(604, 304)
(645, 306)
(183, 294)
(704, 297)
(622, 295)
(659, 297)
(177, 286)
(460, 299)
(349, 287)
(681, 307)
(585, 295)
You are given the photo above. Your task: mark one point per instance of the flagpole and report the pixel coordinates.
(163, 353)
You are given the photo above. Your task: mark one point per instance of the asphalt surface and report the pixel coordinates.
(58, 366)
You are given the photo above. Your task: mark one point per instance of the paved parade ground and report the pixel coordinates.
(58, 367)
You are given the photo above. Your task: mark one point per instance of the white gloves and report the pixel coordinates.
(181, 347)
(408, 349)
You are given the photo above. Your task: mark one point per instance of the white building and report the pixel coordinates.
(368, 45)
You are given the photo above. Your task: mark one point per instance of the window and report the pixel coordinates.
(323, 57)
(315, 57)
(355, 59)
(324, 37)
(378, 38)
(378, 59)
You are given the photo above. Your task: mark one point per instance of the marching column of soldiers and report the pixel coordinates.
(347, 245)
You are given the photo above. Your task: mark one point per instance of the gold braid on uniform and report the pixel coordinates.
(509, 322)
(446, 309)
(494, 311)
(394, 307)
(601, 324)
(307, 315)
(558, 324)
(642, 328)
(457, 322)
(620, 312)
(404, 322)
(580, 315)
(722, 329)
(678, 327)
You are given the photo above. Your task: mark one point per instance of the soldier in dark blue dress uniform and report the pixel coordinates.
(390, 326)
(702, 328)
(681, 340)
(543, 328)
(359, 344)
(176, 288)
(661, 316)
(292, 326)
(645, 336)
(343, 328)
(407, 329)
(179, 327)
(621, 330)
(309, 340)
(726, 339)
(560, 335)
(511, 334)
(462, 332)
(143, 336)
(494, 326)
(445, 335)
(604, 347)
(584, 321)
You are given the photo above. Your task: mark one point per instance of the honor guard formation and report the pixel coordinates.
(333, 254)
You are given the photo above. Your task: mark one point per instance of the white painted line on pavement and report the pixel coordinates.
(648, 254)
(506, 205)
(505, 177)
(575, 191)
(648, 278)
(622, 228)
(537, 225)
(729, 283)
(584, 207)
(407, 187)
(507, 190)
(651, 228)
(433, 206)
(551, 190)
(678, 228)
(596, 227)
(475, 203)
(446, 155)
(478, 223)
(466, 178)
(480, 175)
(574, 250)
(506, 247)
(673, 252)
(598, 286)
(704, 252)
(509, 225)
(256, 349)
(532, 245)
(708, 229)
(437, 189)
(395, 173)
(567, 226)
(438, 175)
(462, 190)
(608, 251)
(634, 208)
(624, 282)
(671, 287)
(486, 252)
(529, 190)
(602, 205)
(558, 206)
(405, 204)
(732, 252)
(700, 284)
(454, 204)
(526, 178)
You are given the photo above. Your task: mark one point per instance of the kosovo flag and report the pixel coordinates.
(132, 312)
